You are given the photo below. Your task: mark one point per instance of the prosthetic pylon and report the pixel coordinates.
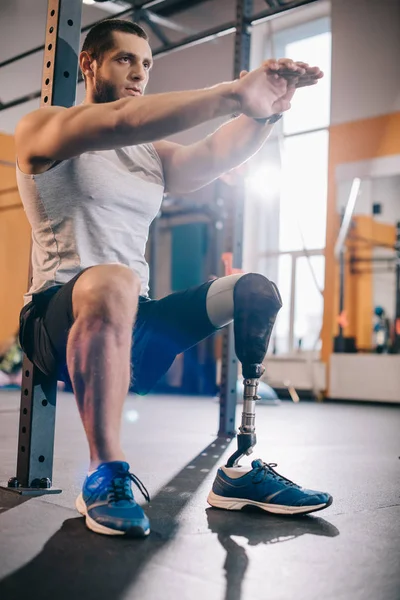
(256, 303)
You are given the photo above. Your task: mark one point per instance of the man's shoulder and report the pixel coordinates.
(36, 118)
(26, 134)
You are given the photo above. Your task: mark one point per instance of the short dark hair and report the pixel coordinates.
(99, 38)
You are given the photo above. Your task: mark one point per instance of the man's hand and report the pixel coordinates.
(270, 88)
(310, 76)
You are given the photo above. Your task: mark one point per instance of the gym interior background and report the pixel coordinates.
(321, 206)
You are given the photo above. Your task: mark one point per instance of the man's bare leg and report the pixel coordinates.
(104, 300)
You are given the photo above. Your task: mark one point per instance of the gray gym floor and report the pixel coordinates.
(348, 552)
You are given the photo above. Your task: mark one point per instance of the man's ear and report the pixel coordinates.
(85, 63)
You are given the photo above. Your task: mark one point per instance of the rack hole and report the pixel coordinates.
(25, 411)
(27, 373)
(44, 402)
(49, 47)
(70, 22)
(51, 29)
(22, 448)
(23, 430)
(47, 81)
(66, 74)
(41, 458)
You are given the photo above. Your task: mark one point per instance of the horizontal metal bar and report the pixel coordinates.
(306, 131)
(155, 28)
(270, 13)
(7, 163)
(199, 38)
(297, 253)
(13, 59)
(171, 7)
(21, 100)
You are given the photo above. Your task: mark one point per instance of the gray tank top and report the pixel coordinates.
(92, 209)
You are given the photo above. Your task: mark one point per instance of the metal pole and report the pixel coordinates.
(229, 366)
(292, 308)
(38, 393)
(340, 338)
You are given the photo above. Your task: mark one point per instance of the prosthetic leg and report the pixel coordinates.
(256, 303)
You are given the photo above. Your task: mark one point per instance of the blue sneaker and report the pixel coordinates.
(262, 486)
(108, 504)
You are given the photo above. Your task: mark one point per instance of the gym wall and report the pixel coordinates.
(14, 243)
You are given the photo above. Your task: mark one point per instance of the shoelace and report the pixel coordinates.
(268, 469)
(121, 487)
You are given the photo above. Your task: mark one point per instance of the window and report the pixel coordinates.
(302, 218)
(311, 106)
(300, 215)
(308, 301)
(282, 328)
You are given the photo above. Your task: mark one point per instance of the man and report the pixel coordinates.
(92, 178)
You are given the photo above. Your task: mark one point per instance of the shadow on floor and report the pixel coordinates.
(258, 528)
(76, 563)
(9, 500)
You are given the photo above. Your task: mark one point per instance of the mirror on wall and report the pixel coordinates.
(368, 272)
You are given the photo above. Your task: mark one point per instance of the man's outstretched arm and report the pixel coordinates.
(57, 133)
(188, 168)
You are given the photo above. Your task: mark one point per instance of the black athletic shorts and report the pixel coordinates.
(163, 329)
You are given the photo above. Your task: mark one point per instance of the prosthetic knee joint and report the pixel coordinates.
(256, 303)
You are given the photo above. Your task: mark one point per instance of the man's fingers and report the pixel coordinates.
(271, 65)
(243, 74)
(288, 65)
(302, 64)
(306, 82)
(314, 72)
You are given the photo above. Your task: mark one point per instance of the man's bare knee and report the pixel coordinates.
(106, 292)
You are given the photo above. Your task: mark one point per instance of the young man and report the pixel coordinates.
(92, 179)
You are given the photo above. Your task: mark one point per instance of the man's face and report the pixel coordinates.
(124, 70)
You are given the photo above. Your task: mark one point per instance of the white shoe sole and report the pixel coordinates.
(278, 509)
(93, 525)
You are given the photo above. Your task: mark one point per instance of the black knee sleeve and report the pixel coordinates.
(256, 304)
